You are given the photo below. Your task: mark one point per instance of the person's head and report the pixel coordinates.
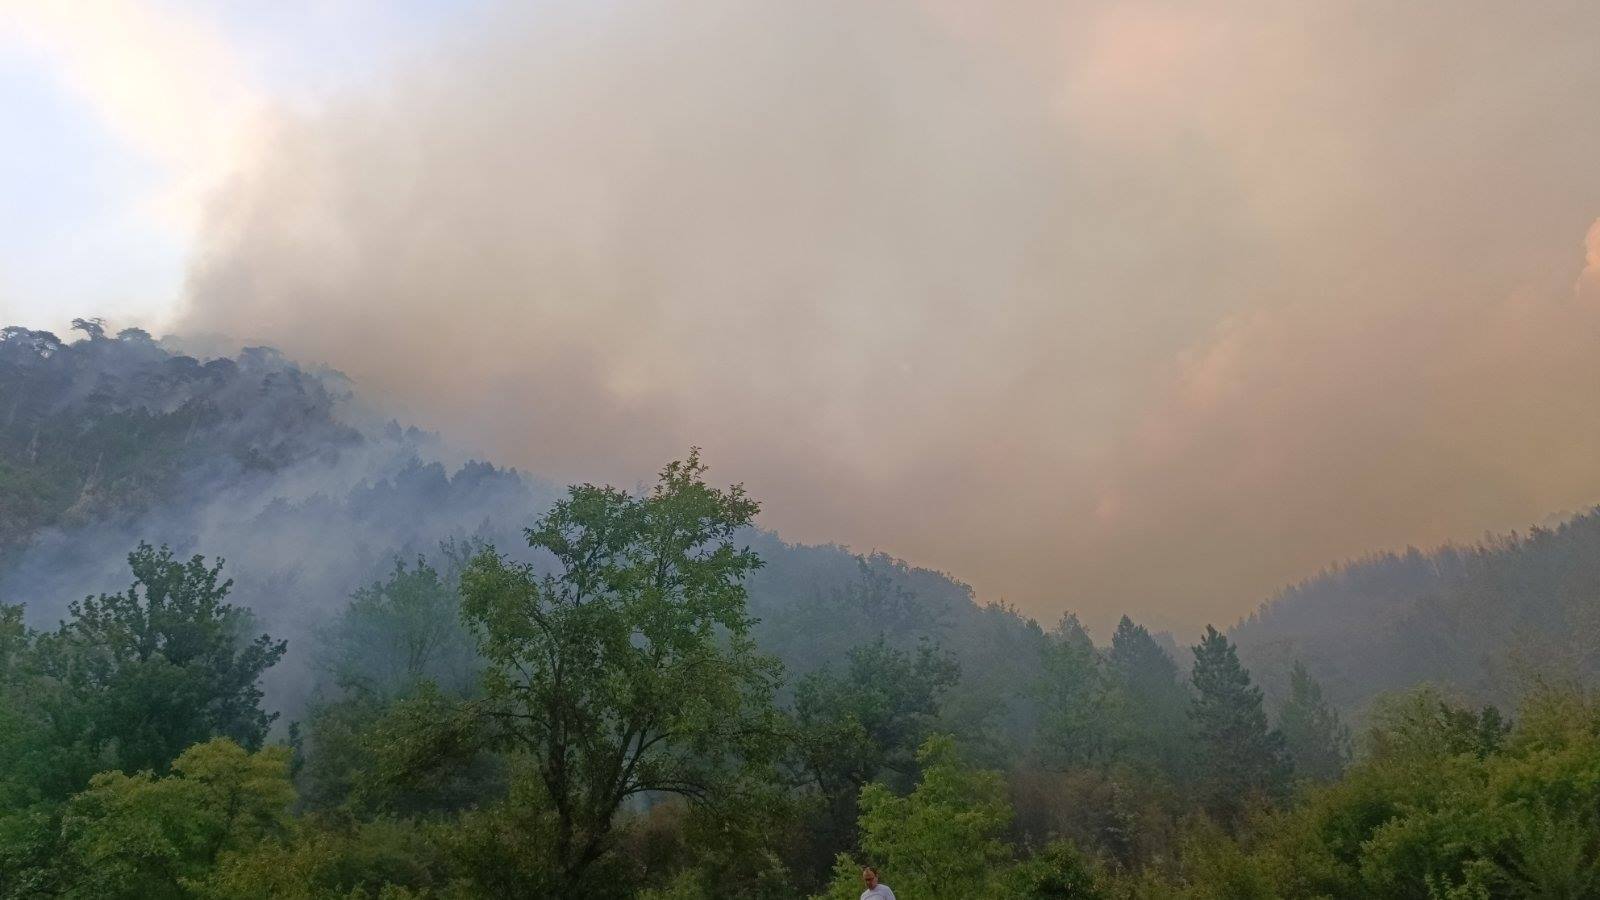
(869, 877)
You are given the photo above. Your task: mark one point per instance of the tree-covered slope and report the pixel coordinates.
(108, 427)
(110, 440)
(1484, 619)
(436, 640)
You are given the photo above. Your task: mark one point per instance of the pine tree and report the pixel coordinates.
(1317, 742)
(1153, 702)
(1073, 693)
(1241, 760)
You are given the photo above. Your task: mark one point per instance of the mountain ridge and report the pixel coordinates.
(111, 439)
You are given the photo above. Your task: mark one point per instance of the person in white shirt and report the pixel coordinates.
(876, 890)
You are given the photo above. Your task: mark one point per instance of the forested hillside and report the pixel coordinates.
(109, 440)
(417, 680)
(1485, 619)
(112, 440)
(108, 428)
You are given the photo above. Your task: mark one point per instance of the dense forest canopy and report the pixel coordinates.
(1486, 619)
(255, 641)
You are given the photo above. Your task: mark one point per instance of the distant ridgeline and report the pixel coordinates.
(106, 428)
(109, 440)
(1486, 619)
(113, 439)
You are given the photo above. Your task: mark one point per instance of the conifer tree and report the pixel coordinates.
(1073, 692)
(1152, 699)
(1317, 742)
(1241, 759)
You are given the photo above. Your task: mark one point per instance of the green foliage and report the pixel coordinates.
(1122, 816)
(513, 849)
(1437, 814)
(1243, 761)
(339, 753)
(944, 840)
(336, 860)
(1151, 703)
(630, 670)
(1115, 739)
(734, 848)
(128, 683)
(1059, 872)
(31, 863)
(1214, 867)
(403, 630)
(418, 753)
(866, 724)
(139, 836)
(1318, 743)
(1424, 724)
(621, 740)
(132, 679)
(23, 741)
(393, 738)
(1075, 700)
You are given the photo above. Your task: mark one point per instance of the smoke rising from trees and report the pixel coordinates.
(1030, 293)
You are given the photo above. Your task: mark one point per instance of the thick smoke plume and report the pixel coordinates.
(1129, 306)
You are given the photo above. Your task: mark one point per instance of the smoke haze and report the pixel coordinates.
(1035, 293)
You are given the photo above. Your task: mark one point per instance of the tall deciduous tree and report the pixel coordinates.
(1241, 758)
(397, 632)
(866, 724)
(1317, 742)
(134, 678)
(627, 670)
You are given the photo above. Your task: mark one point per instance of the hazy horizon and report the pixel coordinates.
(1032, 294)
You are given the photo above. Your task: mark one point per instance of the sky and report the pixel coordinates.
(1139, 306)
(123, 117)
